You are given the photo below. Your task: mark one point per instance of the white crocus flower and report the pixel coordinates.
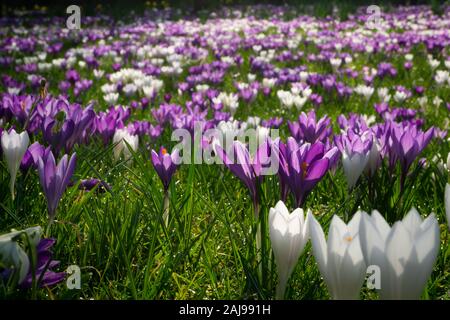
(286, 98)
(12, 255)
(14, 146)
(120, 139)
(299, 101)
(129, 89)
(374, 158)
(335, 63)
(447, 64)
(354, 165)
(364, 91)
(434, 63)
(340, 258)
(288, 235)
(441, 77)
(422, 101)
(111, 98)
(400, 96)
(98, 73)
(405, 253)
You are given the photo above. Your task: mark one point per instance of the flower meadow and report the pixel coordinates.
(258, 152)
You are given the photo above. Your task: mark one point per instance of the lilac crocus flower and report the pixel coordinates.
(308, 129)
(165, 165)
(44, 264)
(407, 142)
(55, 178)
(32, 155)
(245, 167)
(302, 167)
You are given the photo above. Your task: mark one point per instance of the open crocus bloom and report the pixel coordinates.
(340, 259)
(405, 253)
(288, 235)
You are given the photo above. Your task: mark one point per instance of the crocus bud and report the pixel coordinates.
(288, 235)
(14, 146)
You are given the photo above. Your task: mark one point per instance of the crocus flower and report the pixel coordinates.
(32, 155)
(12, 256)
(89, 184)
(288, 234)
(355, 151)
(340, 259)
(302, 167)
(405, 253)
(405, 143)
(308, 129)
(44, 264)
(121, 138)
(55, 178)
(165, 164)
(14, 146)
(247, 168)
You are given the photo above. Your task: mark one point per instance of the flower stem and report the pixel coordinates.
(166, 208)
(47, 230)
(258, 237)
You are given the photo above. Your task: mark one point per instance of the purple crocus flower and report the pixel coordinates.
(165, 165)
(55, 178)
(308, 129)
(275, 122)
(89, 184)
(407, 143)
(44, 264)
(302, 167)
(245, 167)
(32, 156)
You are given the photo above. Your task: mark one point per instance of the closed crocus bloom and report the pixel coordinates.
(32, 155)
(11, 253)
(405, 253)
(288, 235)
(447, 203)
(340, 259)
(55, 178)
(121, 138)
(14, 146)
(356, 151)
